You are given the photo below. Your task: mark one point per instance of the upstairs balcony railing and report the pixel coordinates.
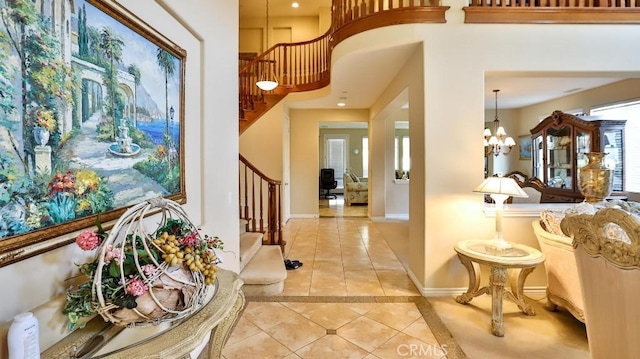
(304, 66)
(553, 11)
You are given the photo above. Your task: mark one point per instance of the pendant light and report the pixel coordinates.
(268, 80)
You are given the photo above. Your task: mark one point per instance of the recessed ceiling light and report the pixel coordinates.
(295, 5)
(341, 104)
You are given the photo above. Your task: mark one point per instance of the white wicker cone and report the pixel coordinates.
(123, 233)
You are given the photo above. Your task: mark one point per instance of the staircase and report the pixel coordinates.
(261, 244)
(261, 266)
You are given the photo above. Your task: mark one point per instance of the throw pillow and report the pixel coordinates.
(354, 177)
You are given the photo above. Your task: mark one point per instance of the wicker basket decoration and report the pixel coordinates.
(145, 277)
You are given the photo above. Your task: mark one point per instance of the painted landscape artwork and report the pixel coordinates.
(91, 118)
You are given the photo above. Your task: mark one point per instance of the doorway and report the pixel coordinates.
(343, 147)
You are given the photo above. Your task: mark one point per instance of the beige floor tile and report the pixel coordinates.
(331, 346)
(366, 333)
(243, 330)
(399, 289)
(296, 332)
(395, 315)
(296, 288)
(266, 315)
(260, 345)
(364, 289)
(331, 315)
(328, 288)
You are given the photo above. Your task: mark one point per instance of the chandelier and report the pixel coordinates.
(499, 143)
(268, 80)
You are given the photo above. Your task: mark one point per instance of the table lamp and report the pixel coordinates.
(500, 188)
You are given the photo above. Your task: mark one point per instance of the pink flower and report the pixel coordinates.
(148, 269)
(88, 240)
(113, 254)
(136, 288)
(190, 240)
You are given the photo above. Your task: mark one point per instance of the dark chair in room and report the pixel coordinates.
(328, 182)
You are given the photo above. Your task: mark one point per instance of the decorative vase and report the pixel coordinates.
(41, 135)
(595, 179)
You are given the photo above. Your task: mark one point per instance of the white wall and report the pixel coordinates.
(455, 57)
(211, 132)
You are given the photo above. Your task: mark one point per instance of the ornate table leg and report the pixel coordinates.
(497, 281)
(474, 281)
(517, 292)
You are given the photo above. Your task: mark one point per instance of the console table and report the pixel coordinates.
(215, 319)
(521, 258)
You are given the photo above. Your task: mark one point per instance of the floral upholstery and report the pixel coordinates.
(355, 189)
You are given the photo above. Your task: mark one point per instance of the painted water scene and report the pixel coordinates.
(91, 117)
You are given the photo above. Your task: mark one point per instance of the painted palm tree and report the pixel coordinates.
(111, 45)
(167, 64)
(135, 71)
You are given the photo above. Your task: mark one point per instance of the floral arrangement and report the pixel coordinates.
(45, 119)
(143, 278)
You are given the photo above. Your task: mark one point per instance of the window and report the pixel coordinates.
(335, 155)
(629, 111)
(403, 156)
(406, 154)
(365, 156)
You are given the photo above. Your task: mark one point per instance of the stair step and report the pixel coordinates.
(265, 273)
(250, 243)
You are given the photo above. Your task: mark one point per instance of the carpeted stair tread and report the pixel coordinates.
(250, 243)
(266, 267)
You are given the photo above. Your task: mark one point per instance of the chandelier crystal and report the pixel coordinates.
(499, 143)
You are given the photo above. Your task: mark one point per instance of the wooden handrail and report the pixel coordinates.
(304, 66)
(254, 186)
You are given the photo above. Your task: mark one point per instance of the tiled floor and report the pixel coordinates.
(352, 298)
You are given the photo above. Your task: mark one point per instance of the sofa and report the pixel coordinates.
(563, 283)
(356, 189)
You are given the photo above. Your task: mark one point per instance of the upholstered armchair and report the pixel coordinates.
(606, 248)
(356, 189)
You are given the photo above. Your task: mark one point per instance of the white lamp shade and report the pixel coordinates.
(267, 85)
(487, 133)
(501, 185)
(501, 131)
(493, 140)
(509, 142)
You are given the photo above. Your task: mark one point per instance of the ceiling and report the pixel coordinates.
(277, 8)
(351, 75)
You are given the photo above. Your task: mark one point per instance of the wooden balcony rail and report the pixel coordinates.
(557, 3)
(260, 201)
(304, 66)
(553, 11)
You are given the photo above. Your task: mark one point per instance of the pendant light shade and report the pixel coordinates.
(267, 80)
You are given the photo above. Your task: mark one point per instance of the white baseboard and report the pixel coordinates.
(533, 292)
(311, 215)
(404, 216)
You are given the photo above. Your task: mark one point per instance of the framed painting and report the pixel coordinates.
(524, 146)
(91, 120)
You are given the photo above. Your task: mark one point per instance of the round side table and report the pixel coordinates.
(522, 259)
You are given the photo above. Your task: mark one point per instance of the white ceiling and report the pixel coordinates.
(277, 8)
(351, 75)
